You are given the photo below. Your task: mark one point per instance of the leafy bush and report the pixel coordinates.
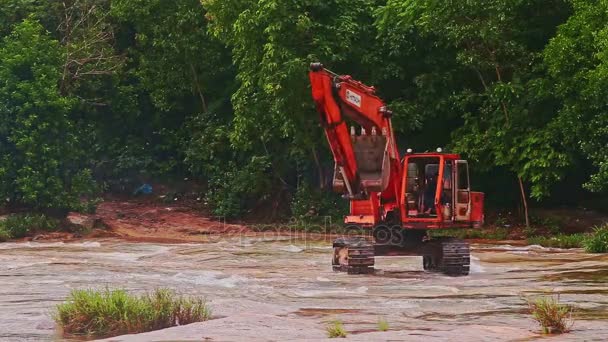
(115, 312)
(552, 316)
(336, 329)
(4, 234)
(41, 155)
(233, 179)
(597, 242)
(552, 224)
(496, 234)
(558, 241)
(231, 189)
(383, 324)
(530, 231)
(21, 225)
(315, 205)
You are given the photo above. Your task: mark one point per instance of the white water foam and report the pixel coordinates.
(211, 278)
(32, 244)
(291, 249)
(475, 266)
(519, 248)
(309, 293)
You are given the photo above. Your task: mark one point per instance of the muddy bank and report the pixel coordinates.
(149, 220)
(152, 221)
(139, 220)
(280, 288)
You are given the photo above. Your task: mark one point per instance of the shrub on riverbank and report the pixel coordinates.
(559, 240)
(495, 233)
(597, 242)
(4, 235)
(115, 312)
(21, 225)
(553, 317)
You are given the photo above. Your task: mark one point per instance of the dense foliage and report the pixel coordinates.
(21, 225)
(597, 242)
(109, 94)
(577, 58)
(40, 152)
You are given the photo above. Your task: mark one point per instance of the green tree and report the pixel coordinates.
(176, 71)
(40, 155)
(14, 11)
(497, 80)
(578, 61)
(177, 57)
(272, 44)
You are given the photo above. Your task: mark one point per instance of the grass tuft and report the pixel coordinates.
(335, 329)
(4, 234)
(496, 233)
(553, 317)
(559, 240)
(115, 312)
(597, 242)
(383, 324)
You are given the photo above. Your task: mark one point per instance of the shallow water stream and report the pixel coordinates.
(272, 288)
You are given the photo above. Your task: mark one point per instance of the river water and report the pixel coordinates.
(282, 288)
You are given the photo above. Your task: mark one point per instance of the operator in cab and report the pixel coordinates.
(429, 194)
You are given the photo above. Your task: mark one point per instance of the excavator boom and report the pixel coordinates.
(367, 167)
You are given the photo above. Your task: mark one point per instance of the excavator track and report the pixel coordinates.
(354, 255)
(449, 256)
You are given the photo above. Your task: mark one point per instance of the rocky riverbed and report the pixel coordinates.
(273, 287)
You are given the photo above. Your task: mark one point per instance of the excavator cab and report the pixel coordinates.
(437, 192)
(421, 185)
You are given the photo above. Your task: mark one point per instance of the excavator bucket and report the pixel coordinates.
(371, 155)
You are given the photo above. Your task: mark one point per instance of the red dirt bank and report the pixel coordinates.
(160, 222)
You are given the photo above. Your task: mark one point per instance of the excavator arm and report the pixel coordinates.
(367, 167)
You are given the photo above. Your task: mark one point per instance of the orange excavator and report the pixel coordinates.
(395, 200)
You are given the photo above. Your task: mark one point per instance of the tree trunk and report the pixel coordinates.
(524, 201)
(199, 89)
(322, 181)
(504, 106)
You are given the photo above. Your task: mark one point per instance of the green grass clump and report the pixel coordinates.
(382, 325)
(21, 225)
(597, 242)
(559, 241)
(553, 317)
(115, 312)
(496, 233)
(4, 235)
(336, 329)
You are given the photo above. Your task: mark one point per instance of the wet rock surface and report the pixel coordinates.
(280, 288)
